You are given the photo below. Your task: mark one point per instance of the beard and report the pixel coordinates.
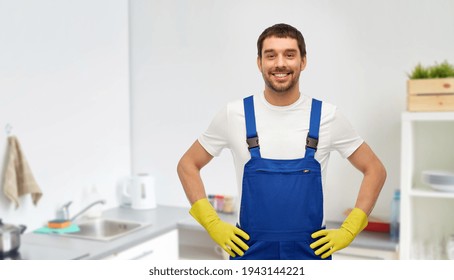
(280, 87)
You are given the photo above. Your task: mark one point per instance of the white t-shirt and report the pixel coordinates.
(282, 132)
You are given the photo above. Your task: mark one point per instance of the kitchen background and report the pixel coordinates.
(98, 90)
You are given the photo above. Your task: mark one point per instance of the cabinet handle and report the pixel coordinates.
(144, 254)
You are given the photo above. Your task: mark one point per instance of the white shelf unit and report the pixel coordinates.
(426, 214)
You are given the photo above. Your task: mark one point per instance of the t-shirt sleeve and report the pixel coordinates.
(344, 139)
(215, 138)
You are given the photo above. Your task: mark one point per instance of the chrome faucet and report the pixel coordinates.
(65, 209)
(101, 201)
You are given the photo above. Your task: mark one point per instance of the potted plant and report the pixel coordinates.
(431, 88)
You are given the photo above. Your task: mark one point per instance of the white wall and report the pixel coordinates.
(191, 57)
(64, 88)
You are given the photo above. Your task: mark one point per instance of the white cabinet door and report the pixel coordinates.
(163, 247)
(196, 244)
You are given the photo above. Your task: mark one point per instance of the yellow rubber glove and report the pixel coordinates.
(336, 239)
(224, 234)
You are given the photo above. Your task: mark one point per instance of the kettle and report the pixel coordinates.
(140, 191)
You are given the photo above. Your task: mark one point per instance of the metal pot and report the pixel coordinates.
(10, 238)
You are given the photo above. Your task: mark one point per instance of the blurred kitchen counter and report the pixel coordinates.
(367, 245)
(161, 220)
(366, 239)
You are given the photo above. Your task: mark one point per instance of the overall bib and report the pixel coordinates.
(282, 200)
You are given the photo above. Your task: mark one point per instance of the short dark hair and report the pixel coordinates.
(282, 30)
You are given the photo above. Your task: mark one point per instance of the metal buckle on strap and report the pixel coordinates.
(253, 142)
(311, 142)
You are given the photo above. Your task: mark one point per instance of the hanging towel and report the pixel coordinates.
(18, 178)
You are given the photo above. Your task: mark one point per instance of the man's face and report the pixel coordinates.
(281, 64)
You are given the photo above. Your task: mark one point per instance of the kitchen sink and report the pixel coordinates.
(105, 229)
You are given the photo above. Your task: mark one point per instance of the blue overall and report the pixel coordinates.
(282, 200)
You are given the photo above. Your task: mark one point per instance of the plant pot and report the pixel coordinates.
(430, 94)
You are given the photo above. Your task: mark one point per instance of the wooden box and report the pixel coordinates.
(430, 95)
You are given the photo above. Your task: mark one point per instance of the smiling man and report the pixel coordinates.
(280, 64)
(280, 140)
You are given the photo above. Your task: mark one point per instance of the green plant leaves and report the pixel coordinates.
(443, 70)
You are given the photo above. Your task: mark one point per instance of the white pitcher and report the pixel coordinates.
(140, 190)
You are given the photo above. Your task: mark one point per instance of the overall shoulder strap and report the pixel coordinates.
(251, 130)
(314, 127)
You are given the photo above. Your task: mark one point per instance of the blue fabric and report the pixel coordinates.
(251, 130)
(279, 250)
(282, 200)
(314, 126)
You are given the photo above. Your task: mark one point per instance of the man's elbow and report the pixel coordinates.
(375, 169)
(381, 173)
(182, 166)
